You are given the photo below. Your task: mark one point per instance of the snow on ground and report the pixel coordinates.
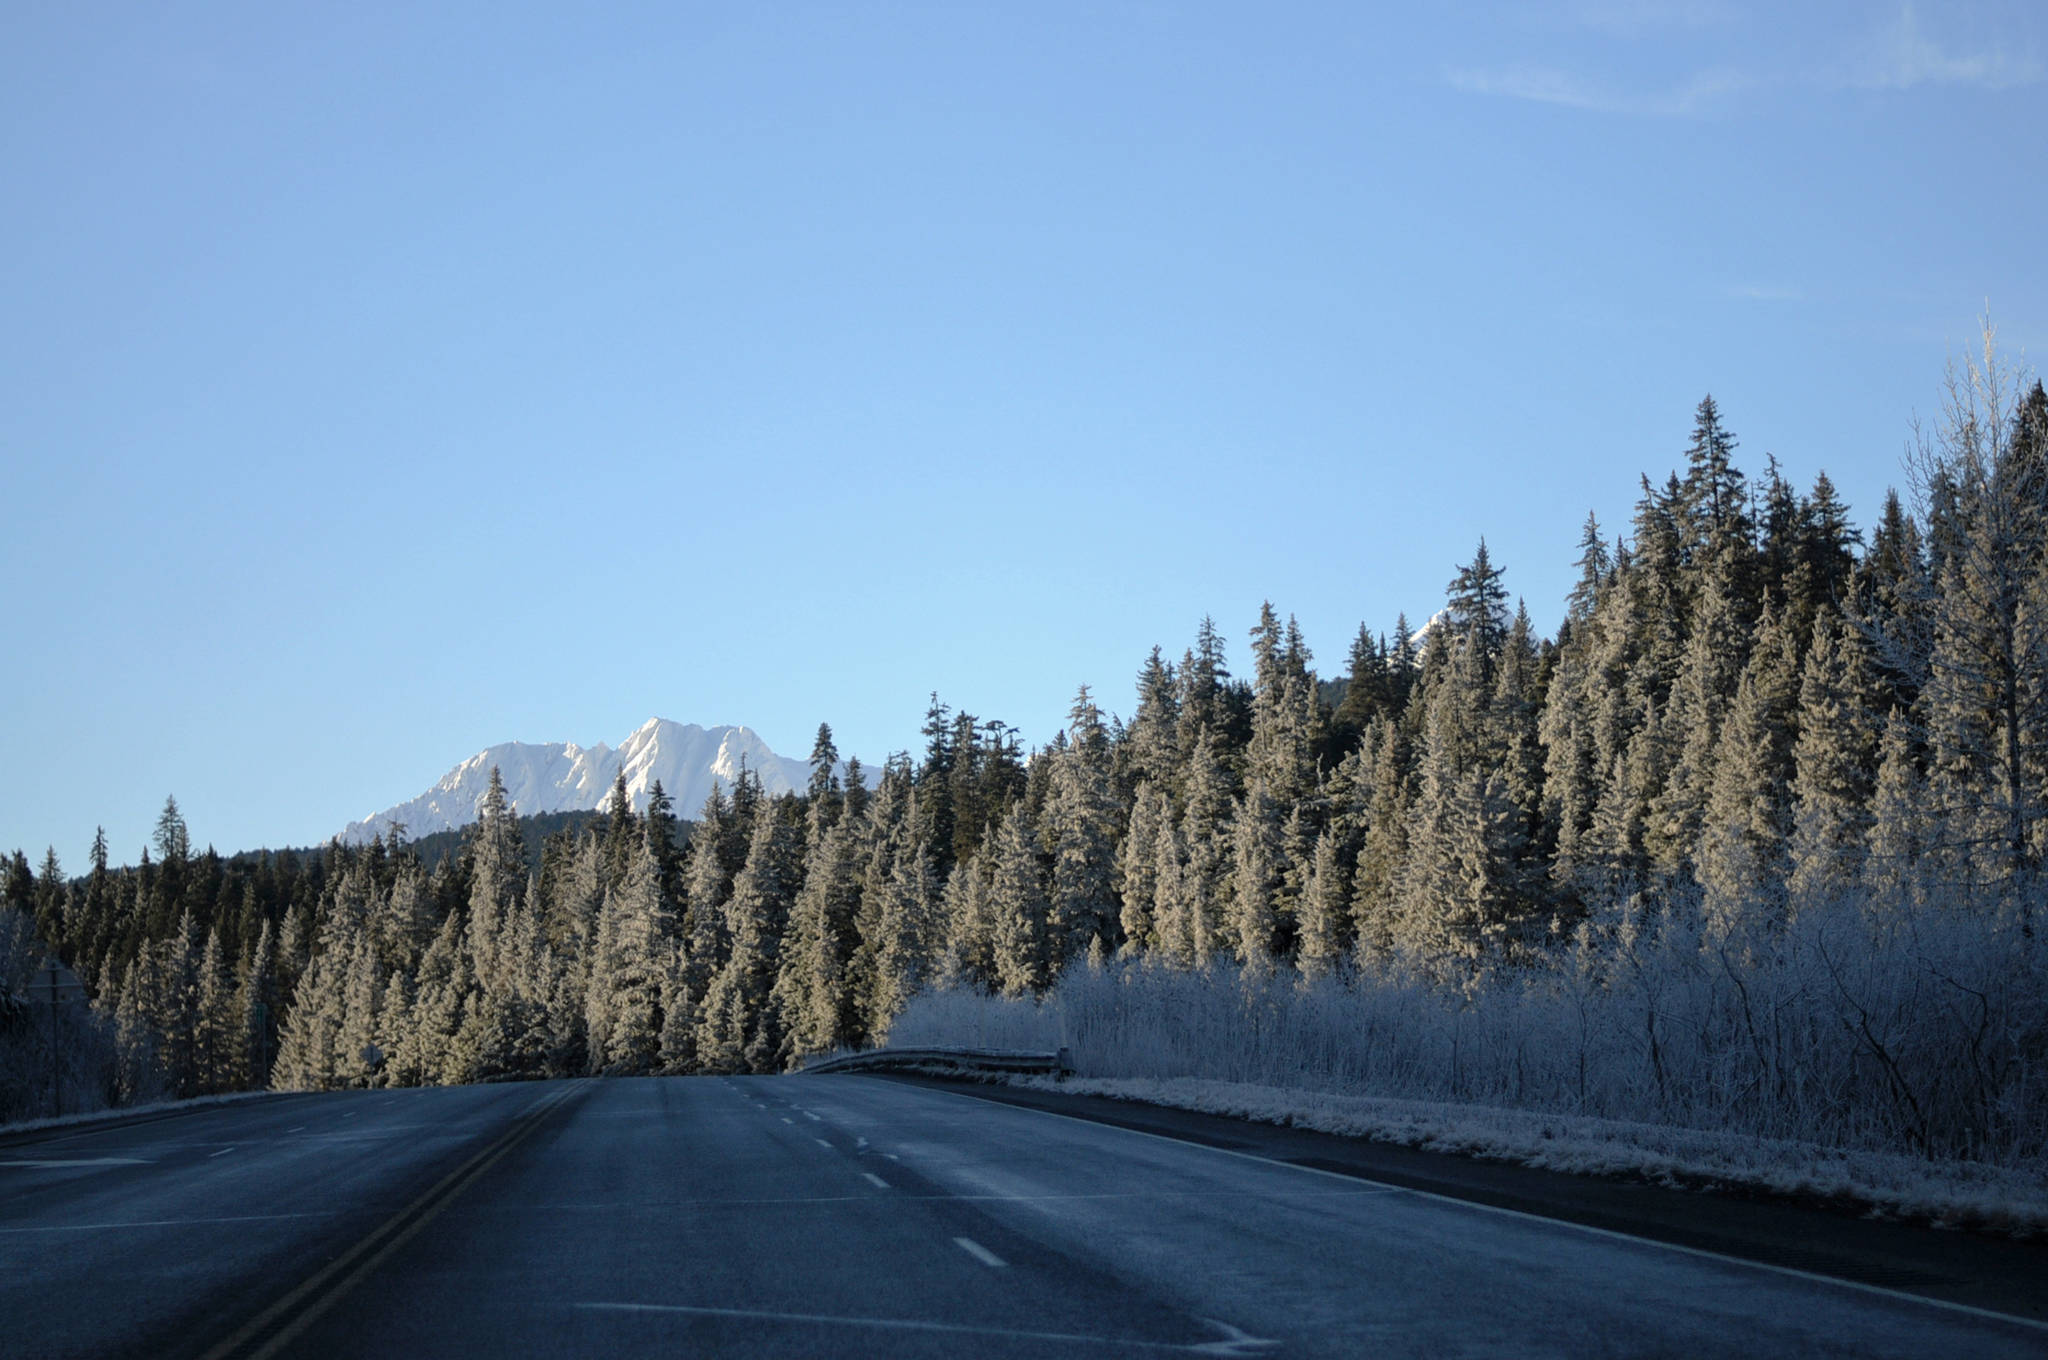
(1957, 1194)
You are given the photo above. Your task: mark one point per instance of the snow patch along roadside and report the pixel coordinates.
(2008, 1201)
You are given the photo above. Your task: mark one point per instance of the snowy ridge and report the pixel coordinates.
(565, 777)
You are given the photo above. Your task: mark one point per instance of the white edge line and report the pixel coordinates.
(50, 1163)
(1794, 1272)
(160, 1223)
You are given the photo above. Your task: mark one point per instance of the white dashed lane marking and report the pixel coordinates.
(979, 1252)
(76, 1161)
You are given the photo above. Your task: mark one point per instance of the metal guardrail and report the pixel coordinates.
(1058, 1064)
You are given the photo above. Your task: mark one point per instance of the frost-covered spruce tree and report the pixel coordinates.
(445, 981)
(1891, 601)
(1834, 763)
(256, 1006)
(823, 791)
(1742, 854)
(811, 991)
(1512, 709)
(1286, 721)
(1571, 774)
(1347, 804)
(1614, 860)
(1383, 849)
(1080, 828)
(305, 1048)
(1137, 866)
(1462, 891)
(1366, 693)
(1022, 941)
(402, 919)
(968, 956)
(222, 1055)
(1257, 862)
(1716, 649)
(882, 834)
(1202, 695)
(1150, 749)
(635, 944)
(571, 889)
(1898, 821)
(1304, 823)
(357, 1058)
(706, 943)
(1713, 507)
(174, 1006)
(736, 1033)
(1476, 613)
(394, 1033)
(497, 874)
(1173, 927)
(139, 1078)
(905, 940)
(1596, 702)
(1323, 918)
(1203, 878)
(618, 829)
(1657, 598)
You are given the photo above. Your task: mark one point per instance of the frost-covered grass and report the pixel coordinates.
(1897, 1061)
(126, 1111)
(1959, 1194)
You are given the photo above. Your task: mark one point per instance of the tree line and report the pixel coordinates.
(1751, 711)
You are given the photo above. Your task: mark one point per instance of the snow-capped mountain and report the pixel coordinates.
(564, 777)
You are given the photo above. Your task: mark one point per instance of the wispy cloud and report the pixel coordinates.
(1548, 85)
(1901, 56)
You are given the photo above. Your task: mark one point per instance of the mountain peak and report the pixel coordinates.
(688, 760)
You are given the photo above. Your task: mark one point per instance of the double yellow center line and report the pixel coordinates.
(277, 1326)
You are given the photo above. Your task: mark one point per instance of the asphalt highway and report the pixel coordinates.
(836, 1216)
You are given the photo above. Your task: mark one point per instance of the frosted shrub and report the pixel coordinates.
(84, 1079)
(1920, 1030)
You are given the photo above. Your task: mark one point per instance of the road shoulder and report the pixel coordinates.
(2001, 1276)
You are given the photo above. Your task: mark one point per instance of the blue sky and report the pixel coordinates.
(379, 385)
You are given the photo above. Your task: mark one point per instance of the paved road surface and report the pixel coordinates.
(834, 1216)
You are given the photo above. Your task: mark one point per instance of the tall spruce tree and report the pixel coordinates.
(1834, 763)
(1080, 828)
(1023, 944)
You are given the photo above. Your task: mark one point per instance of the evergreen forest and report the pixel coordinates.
(1770, 804)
